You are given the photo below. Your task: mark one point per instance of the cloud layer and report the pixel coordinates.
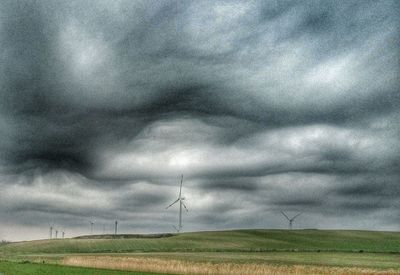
(263, 106)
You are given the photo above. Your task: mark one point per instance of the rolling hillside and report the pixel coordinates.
(219, 241)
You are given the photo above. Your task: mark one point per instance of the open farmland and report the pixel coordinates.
(223, 252)
(25, 268)
(221, 241)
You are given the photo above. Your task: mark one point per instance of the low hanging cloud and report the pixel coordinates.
(262, 105)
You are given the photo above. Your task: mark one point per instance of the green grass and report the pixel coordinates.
(365, 249)
(342, 259)
(222, 241)
(18, 268)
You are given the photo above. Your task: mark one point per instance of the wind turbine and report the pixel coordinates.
(52, 228)
(180, 199)
(291, 220)
(91, 227)
(51, 231)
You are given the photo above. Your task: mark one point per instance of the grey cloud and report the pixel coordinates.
(292, 104)
(307, 202)
(239, 184)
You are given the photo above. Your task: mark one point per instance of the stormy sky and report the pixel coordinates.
(262, 105)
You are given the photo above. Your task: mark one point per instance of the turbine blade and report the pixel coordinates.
(297, 215)
(184, 205)
(172, 204)
(175, 228)
(285, 215)
(180, 190)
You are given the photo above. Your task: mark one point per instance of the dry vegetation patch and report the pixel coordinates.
(186, 267)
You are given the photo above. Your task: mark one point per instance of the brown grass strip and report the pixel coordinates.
(185, 267)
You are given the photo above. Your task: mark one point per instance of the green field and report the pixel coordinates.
(13, 268)
(340, 248)
(222, 241)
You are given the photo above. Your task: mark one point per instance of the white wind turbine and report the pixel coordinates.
(291, 220)
(51, 227)
(180, 199)
(51, 231)
(91, 227)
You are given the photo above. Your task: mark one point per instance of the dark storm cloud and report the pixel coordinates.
(263, 105)
(142, 200)
(298, 202)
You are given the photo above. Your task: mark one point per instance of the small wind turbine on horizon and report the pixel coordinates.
(291, 220)
(91, 227)
(180, 199)
(51, 227)
(51, 232)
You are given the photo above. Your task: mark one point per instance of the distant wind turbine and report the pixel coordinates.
(51, 231)
(180, 199)
(291, 220)
(51, 226)
(91, 227)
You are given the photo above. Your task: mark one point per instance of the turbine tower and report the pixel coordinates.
(180, 199)
(56, 233)
(291, 220)
(51, 231)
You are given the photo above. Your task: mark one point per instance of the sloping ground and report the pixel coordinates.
(14, 268)
(227, 241)
(154, 264)
(126, 236)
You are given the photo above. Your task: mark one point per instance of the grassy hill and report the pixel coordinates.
(220, 241)
(233, 252)
(24, 268)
